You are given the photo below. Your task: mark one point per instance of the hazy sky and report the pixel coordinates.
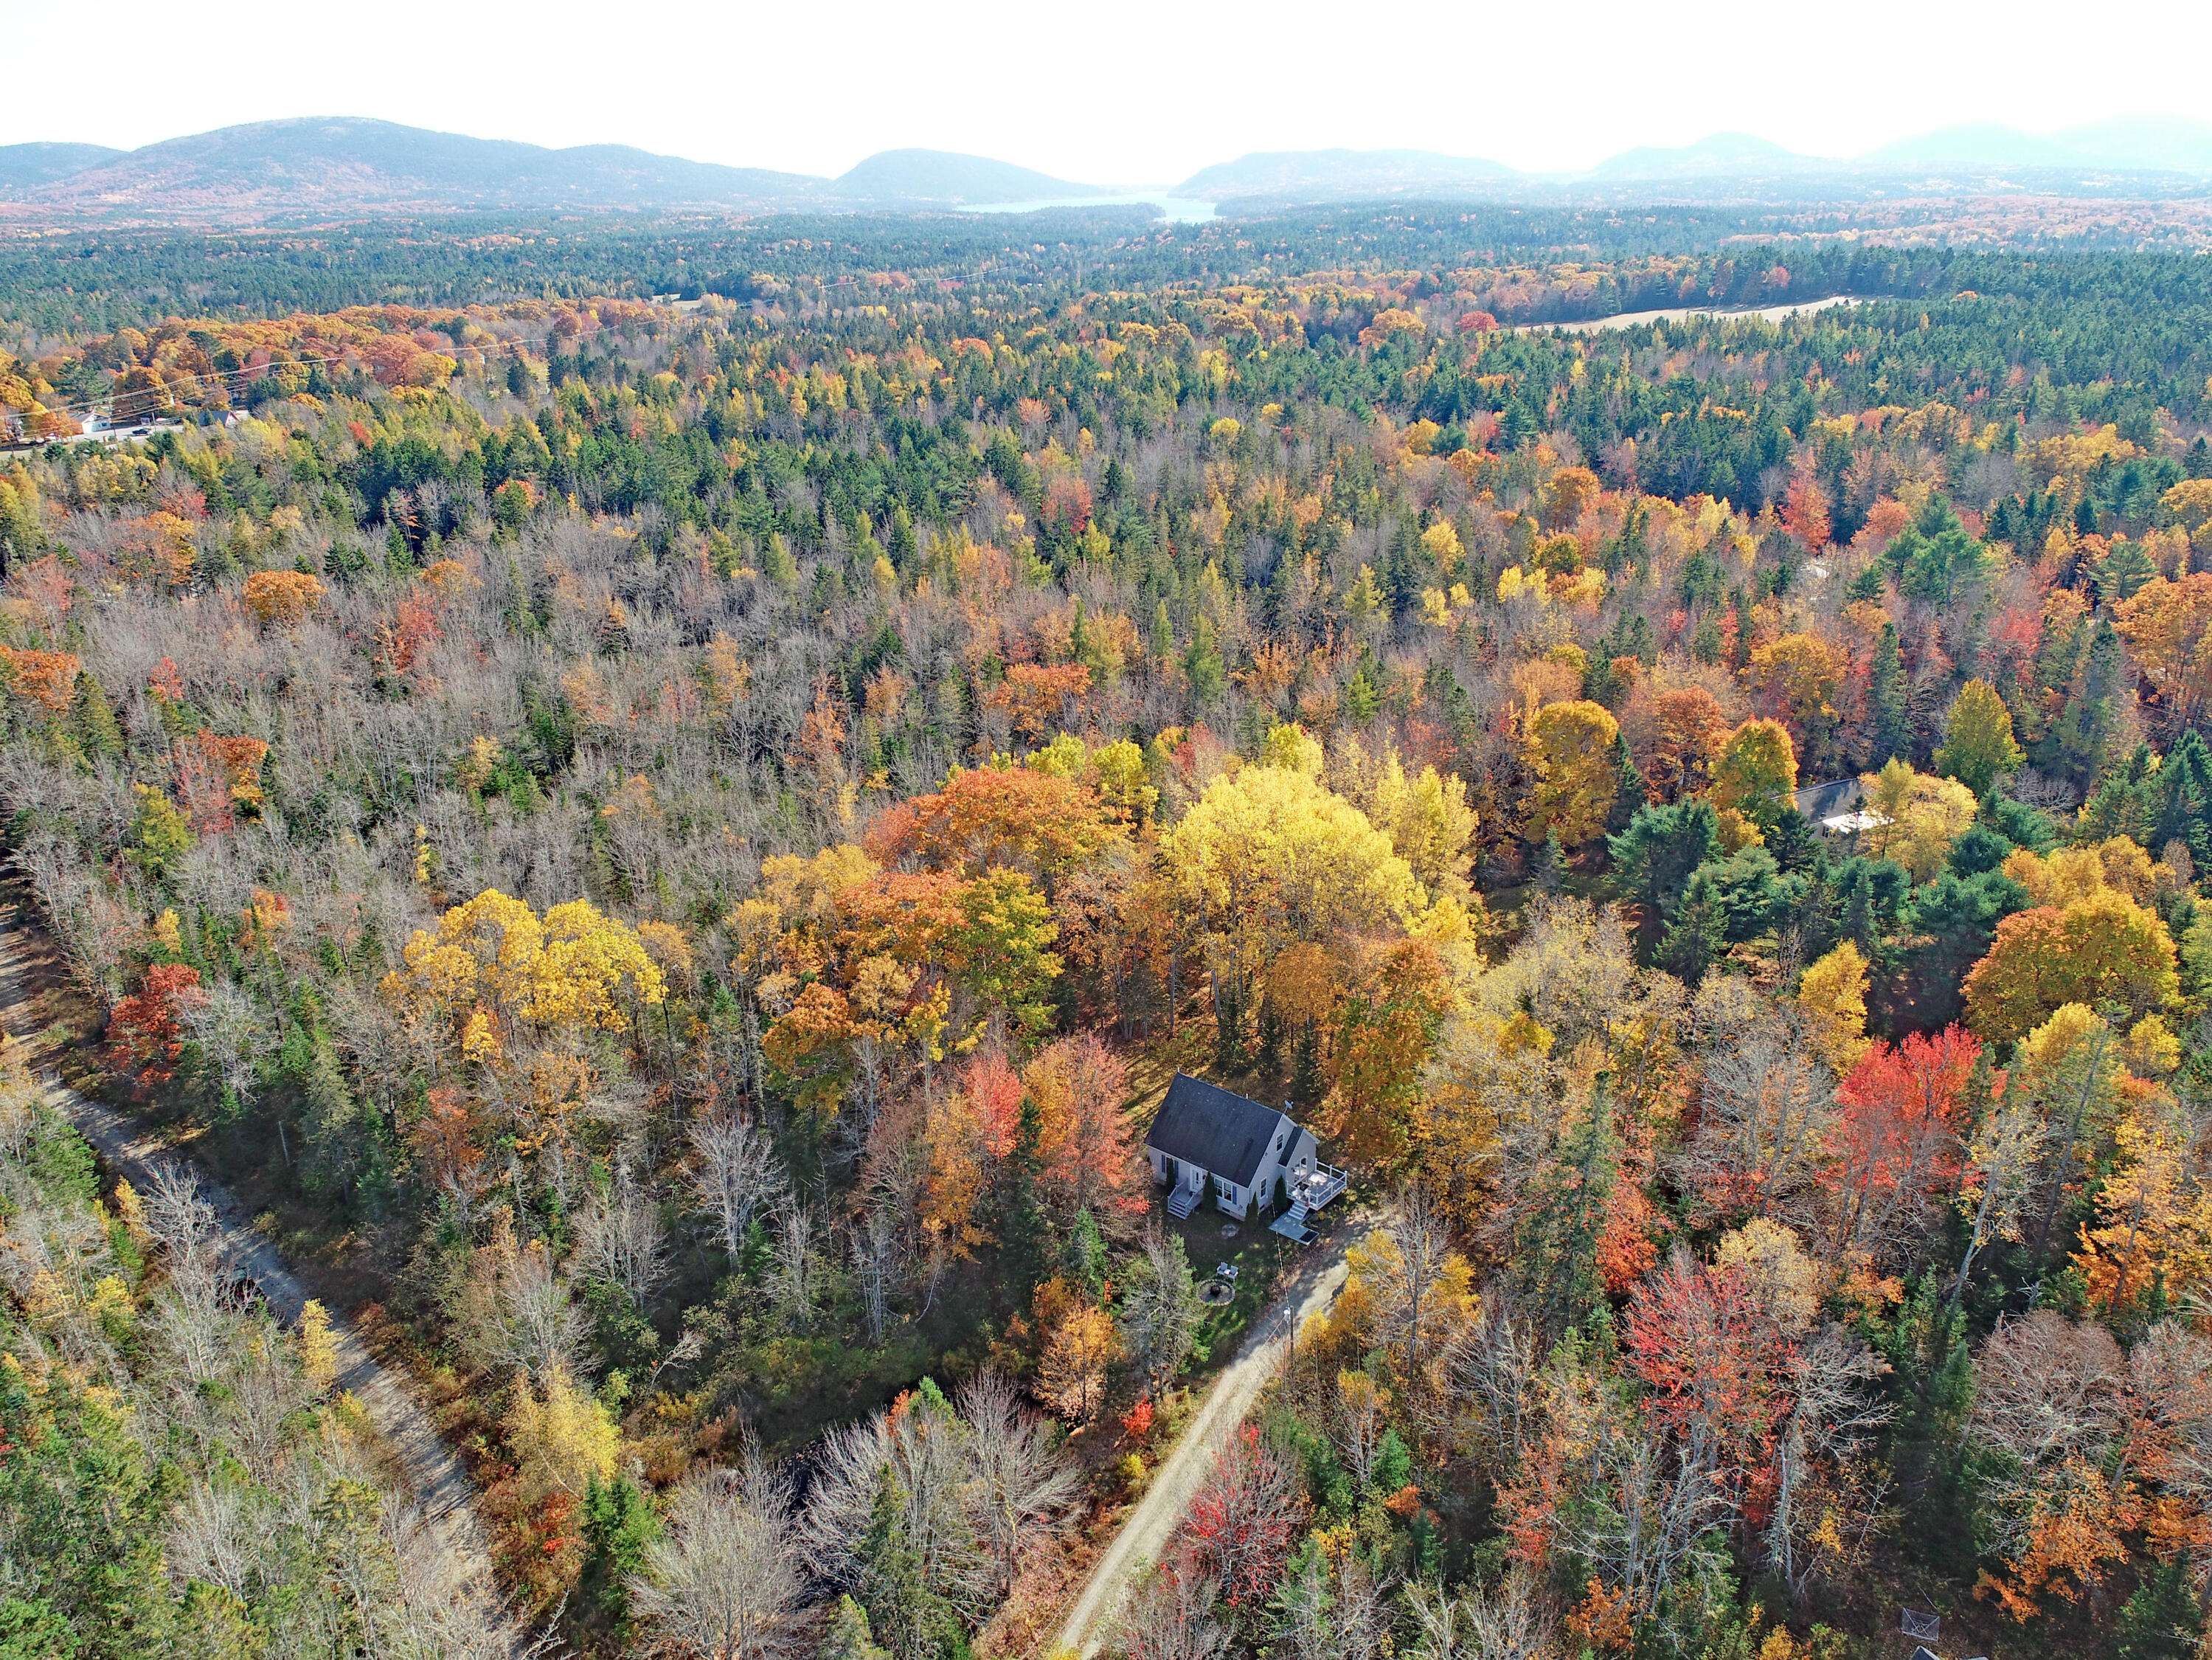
(1114, 91)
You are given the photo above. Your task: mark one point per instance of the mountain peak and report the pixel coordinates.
(950, 176)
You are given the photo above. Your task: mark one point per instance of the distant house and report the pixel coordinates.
(1837, 808)
(1209, 1142)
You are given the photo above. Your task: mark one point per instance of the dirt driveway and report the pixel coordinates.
(442, 1486)
(1146, 1531)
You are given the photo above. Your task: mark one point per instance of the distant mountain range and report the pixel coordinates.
(25, 165)
(2152, 152)
(319, 168)
(1345, 174)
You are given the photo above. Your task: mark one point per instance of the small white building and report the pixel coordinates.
(1837, 808)
(1208, 1141)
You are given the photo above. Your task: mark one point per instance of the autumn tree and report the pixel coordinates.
(1237, 1531)
(2166, 626)
(1917, 817)
(281, 599)
(147, 1030)
(1570, 748)
(1896, 1140)
(1977, 748)
(1675, 737)
(2102, 949)
(1087, 1151)
(1755, 772)
(1268, 857)
(1832, 994)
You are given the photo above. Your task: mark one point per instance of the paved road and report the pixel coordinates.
(1145, 1532)
(441, 1486)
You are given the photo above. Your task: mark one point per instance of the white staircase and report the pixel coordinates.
(1183, 1201)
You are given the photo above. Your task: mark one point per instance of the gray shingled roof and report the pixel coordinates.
(1216, 1129)
(1819, 801)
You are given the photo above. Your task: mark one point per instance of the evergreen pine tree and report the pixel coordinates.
(1889, 725)
(1017, 1219)
(1549, 867)
(1556, 1246)
(2080, 741)
(1084, 1256)
(2163, 1619)
(1307, 1084)
(619, 1524)
(2184, 800)
(848, 1637)
(93, 720)
(893, 1591)
(1698, 933)
(1633, 796)
(2123, 802)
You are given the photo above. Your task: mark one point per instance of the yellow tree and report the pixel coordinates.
(2104, 948)
(563, 1439)
(1978, 742)
(1071, 1377)
(1920, 816)
(1429, 821)
(494, 959)
(1755, 772)
(1269, 856)
(2168, 626)
(1570, 748)
(1833, 996)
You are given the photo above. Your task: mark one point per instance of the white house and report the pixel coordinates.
(1209, 1142)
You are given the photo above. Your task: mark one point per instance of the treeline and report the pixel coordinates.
(59, 287)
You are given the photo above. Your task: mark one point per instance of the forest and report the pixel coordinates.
(669, 847)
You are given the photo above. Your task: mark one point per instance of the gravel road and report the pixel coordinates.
(1146, 1533)
(442, 1486)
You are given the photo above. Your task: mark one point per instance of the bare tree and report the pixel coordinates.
(1334, 1608)
(1491, 1375)
(1834, 1409)
(923, 1455)
(1763, 1118)
(734, 1172)
(517, 1311)
(213, 1538)
(233, 1032)
(1355, 1427)
(1418, 1263)
(620, 1240)
(433, 1606)
(266, 1394)
(725, 1583)
(184, 1223)
(1172, 1617)
(874, 1246)
(195, 1328)
(1024, 1485)
(1506, 1624)
(1160, 1310)
(795, 1273)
